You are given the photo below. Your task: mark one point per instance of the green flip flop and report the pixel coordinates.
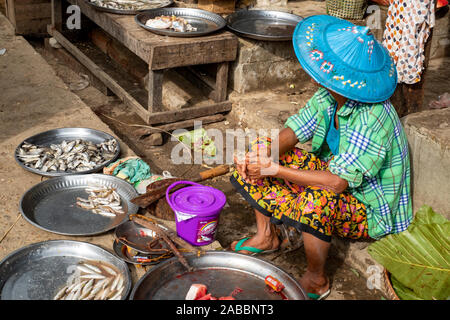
(315, 296)
(254, 251)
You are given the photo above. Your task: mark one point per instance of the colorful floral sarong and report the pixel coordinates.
(317, 211)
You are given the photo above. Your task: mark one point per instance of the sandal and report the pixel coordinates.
(253, 250)
(315, 296)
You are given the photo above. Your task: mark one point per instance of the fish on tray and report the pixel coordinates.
(93, 281)
(67, 156)
(133, 5)
(170, 22)
(102, 200)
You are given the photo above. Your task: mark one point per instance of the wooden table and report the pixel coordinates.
(161, 53)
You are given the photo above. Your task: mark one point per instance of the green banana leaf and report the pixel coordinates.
(403, 292)
(418, 258)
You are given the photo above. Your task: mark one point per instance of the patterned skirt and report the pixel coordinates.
(317, 211)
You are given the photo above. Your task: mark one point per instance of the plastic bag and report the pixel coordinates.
(131, 169)
(199, 141)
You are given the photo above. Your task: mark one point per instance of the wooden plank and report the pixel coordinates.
(57, 14)
(193, 53)
(11, 12)
(159, 51)
(119, 53)
(3, 7)
(36, 27)
(188, 113)
(186, 124)
(221, 82)
(29, 16)
(27, 2)
(100, 74)
(155, 82)
(33, 11)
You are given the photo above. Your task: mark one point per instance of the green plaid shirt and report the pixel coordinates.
(373, 156)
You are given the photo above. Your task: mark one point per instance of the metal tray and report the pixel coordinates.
(206, 22)
(263, 24)
(57, 136)
(38, 271)
(50, 205)
(119, 249)
(222, 272)
(166, 3)
(137, 237)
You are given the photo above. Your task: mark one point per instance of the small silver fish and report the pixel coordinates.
(61, 293)
(93, 268)
(92, 276)
(86, 270)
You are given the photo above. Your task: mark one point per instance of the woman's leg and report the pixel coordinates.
(314, 279)
(265, 238)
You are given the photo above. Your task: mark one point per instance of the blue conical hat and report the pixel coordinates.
(345, 58)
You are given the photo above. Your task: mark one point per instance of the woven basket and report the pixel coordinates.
(382, 2)
(347, 9)
(388, 285)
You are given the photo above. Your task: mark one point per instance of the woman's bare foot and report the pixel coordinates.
(314, 283)
(266, 237)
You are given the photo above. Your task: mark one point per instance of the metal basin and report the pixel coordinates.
(222, 272)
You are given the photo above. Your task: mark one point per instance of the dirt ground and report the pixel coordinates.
(236, 220)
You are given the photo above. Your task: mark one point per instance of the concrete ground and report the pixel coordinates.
(33, 99)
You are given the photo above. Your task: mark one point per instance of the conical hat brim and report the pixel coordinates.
(361, 85)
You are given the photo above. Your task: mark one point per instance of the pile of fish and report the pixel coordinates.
(73, 155)
(102, 200)
(133, 5)
(93, 281)
(173, 23)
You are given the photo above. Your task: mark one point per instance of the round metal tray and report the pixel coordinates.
(56, 136)
(263, 24)
(137, 237)
(51, 205)
(206, 22)
(167, 3)
(119, 249)
(222, 272)
(38, 271)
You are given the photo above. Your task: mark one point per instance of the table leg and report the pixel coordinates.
(57, 14)
(221, 82)
(154, 86)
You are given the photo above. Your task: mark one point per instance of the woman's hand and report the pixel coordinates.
(260, 166)
(241, 164)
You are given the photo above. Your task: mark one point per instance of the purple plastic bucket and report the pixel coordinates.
(197, 209)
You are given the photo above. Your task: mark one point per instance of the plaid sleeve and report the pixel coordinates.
(364, 156)
(304, 123)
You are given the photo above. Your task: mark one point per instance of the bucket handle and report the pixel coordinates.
(174, 185)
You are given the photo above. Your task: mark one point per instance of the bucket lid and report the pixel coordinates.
(198, 200)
